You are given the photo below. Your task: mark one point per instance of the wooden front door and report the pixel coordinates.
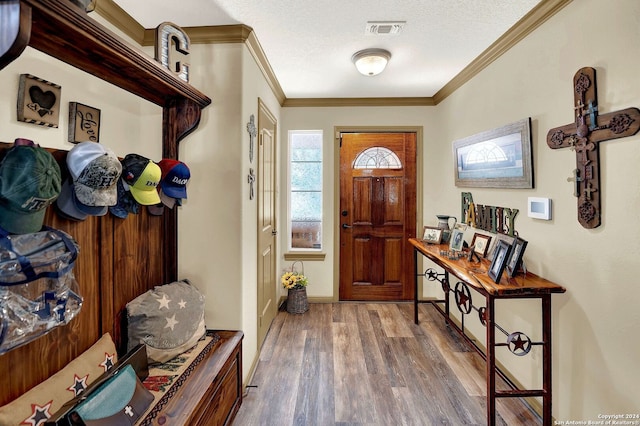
(266, 198)
(377, 215)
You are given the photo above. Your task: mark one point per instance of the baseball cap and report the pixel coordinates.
(126, 203)
(142, 176)
(156, 209)
(29, 182)
(169, 201)
(95, 170)
(67, 204)
(175, 175)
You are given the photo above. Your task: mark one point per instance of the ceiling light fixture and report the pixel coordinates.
(371, 61)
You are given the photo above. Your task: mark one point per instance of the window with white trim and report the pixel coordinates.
(305, 189)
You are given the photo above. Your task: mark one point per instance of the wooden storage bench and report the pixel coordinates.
(209, 392)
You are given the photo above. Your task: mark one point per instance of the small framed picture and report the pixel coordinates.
(457, 240)
(480, 243)
(500, 257)
(515, 260)
(84, 123)
(432, 235)
(38, 101)
(500, 237)
(461, 226)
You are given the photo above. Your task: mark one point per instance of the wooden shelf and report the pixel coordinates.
(475, 274)
(63, 30)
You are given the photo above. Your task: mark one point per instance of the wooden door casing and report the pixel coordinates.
(377, 216)
(266, 193)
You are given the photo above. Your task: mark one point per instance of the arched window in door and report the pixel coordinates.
(377, 157)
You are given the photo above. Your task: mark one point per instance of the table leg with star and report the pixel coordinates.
(472, 275)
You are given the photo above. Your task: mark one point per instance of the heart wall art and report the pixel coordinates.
(38, 101)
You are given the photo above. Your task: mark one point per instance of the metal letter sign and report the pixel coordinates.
(165, 34)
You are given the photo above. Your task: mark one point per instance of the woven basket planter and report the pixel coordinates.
(297, 301)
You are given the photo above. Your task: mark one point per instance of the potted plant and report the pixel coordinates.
(296, 284)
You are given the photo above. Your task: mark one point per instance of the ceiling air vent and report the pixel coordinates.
(384, 27)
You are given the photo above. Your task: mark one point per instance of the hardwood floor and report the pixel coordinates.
(369, 364)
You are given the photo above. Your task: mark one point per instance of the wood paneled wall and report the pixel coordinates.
(118, 260)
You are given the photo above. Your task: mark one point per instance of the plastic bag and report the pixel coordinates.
(38, 290)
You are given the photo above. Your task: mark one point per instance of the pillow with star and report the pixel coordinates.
(38, 404)
(169, 319)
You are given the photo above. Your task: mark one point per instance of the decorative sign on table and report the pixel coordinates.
(499, 220)
(38, 101)
(84, 123)
(584, 135)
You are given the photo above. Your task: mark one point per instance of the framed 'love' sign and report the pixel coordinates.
(38, 101)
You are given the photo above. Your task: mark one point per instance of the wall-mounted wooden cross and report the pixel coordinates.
(584, 136)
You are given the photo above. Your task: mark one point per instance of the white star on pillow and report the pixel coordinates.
(182, 304)
(164, 302)
(171, 322)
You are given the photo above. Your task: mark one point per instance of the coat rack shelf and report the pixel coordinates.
(63, 30)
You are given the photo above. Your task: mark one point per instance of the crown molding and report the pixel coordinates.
(532, 20)
(351, 102)
(263, 63)
(120, 19)
(245, 34)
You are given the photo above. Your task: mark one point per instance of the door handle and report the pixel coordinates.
(345, 226)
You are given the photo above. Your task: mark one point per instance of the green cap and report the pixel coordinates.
(29, 182)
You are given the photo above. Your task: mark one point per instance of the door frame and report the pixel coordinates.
(264, 111)
(418, 130)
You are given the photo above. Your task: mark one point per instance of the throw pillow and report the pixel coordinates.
(169, 319)
(35, 406)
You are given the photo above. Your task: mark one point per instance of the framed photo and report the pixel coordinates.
(38, 101)
(461, 226)
(499, 237)
(515, 259)
(498, 158)
(457, 240)
(432, 235)
(499, 260)
(84, 123)
(480, 243)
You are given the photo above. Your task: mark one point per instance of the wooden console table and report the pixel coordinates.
(473, 275)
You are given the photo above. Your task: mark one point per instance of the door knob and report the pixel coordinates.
(345, 226)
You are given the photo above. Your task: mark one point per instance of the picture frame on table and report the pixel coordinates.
(499, 237)
(499, 262)
(461, 226)
(515, 258)
(480, 244)
(432, 235)
(457, 240)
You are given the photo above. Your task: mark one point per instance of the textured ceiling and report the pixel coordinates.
(309, 44)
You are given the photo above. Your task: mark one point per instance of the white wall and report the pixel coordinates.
(594, 366)
(595, 322)
(218, 236)
(127, 123)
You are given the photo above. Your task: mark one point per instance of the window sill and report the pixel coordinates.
(304, 255)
